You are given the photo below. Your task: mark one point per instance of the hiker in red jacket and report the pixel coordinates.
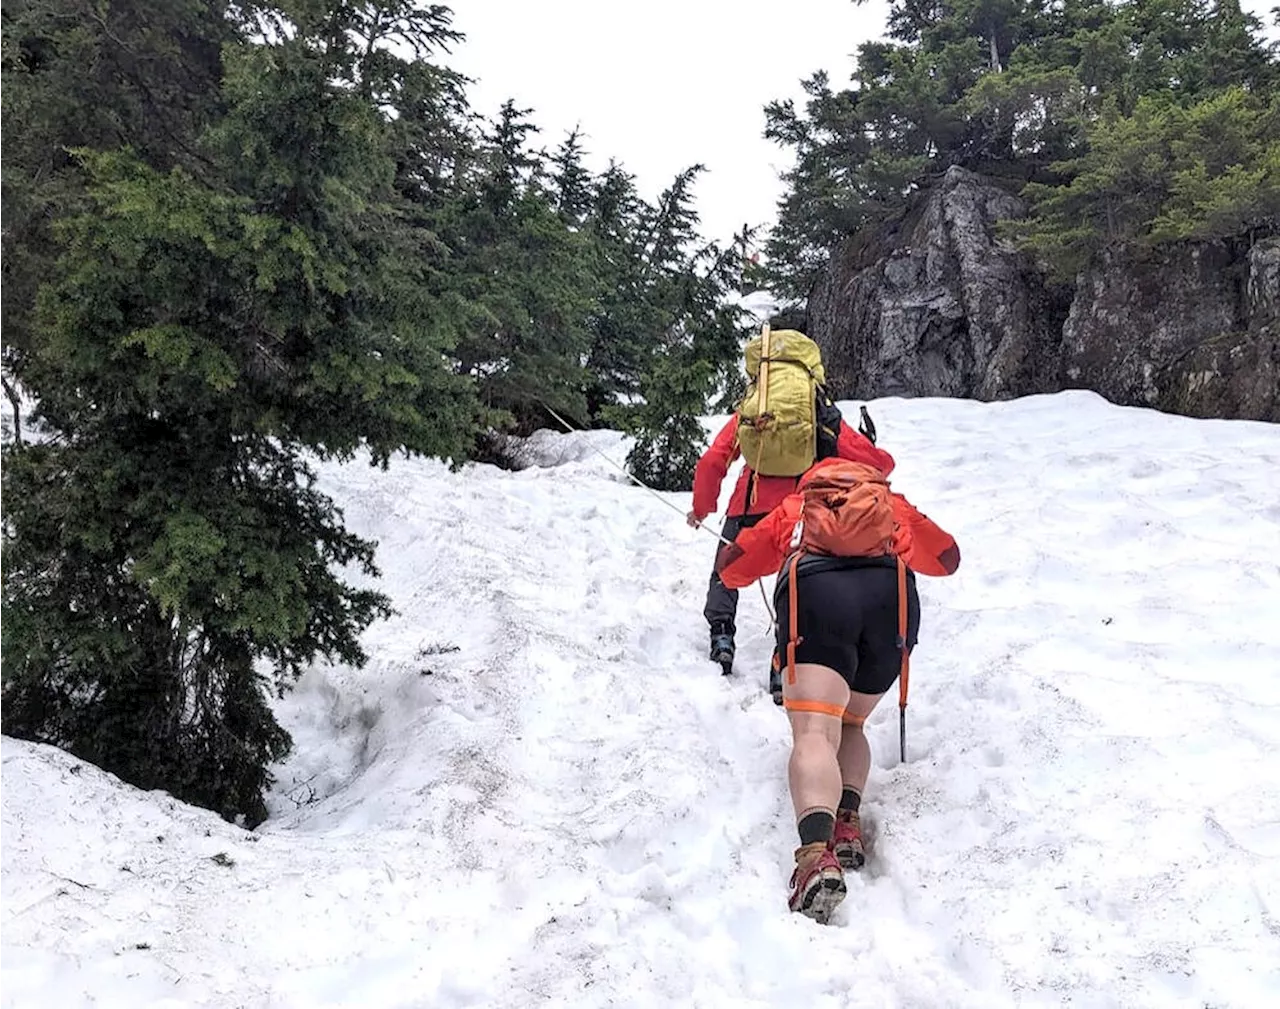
(753, 497)
(846, 550)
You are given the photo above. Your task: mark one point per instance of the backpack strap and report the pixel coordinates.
(763, 383)
(811, 707)
(791, 360)
(762, 378)
(793, 618)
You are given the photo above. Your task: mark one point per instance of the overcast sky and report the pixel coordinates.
(663, 84)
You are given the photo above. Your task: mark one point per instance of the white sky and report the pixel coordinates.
(664, 84)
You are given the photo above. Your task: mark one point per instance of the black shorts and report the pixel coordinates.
(848, 619)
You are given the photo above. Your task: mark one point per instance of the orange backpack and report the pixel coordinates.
(845, 511)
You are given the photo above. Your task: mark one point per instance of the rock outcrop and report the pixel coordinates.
(937, 304)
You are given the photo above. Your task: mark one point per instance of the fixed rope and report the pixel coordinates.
(773, 620)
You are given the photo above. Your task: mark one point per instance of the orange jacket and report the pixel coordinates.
(762, 549)
(770, 490)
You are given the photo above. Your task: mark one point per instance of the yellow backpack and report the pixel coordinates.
(777, 419)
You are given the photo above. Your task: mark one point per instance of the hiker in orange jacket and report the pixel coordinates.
(753, 497)
(846, 625)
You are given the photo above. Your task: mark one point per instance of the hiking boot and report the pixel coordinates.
(817, 885)
(846, 842)
(775, 680)
(722, 647)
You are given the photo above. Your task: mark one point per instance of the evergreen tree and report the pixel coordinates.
(1164, 173)
(526, 276)
(143, 74)
(1037, 93)
(571, 182)
(624, 321)
(167, 556)
(242, 238)
(664, 420)
(693, 334)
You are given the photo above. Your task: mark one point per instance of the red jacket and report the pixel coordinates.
(770, 490)
(762, 549)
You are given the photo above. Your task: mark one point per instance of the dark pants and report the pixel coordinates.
(722, 603)
(847, 619)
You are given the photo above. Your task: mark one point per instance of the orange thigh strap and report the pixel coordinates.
(849, 719)
(814, 707)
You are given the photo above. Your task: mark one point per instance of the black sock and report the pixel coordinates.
(850, 800)
(816, 826)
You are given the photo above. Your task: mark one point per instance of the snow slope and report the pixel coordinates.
(539, 792)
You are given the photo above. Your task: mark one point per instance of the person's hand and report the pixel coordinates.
(693, 519)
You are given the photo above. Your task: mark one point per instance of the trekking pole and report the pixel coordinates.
(904, 671)
(867, 427)
(670, 504)
(901, 708)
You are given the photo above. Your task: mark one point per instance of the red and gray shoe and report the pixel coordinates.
(817, 885)
(846, 842)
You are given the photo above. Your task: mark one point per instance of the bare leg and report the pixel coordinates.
(814, 769)
(855, 762)
(854, 756)
(815, 704)
(855, 752)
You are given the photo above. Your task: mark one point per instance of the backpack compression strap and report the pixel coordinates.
(763, 418)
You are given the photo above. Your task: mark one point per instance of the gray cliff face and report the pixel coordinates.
(935, 304)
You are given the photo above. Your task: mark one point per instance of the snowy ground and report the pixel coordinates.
(540, 793)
